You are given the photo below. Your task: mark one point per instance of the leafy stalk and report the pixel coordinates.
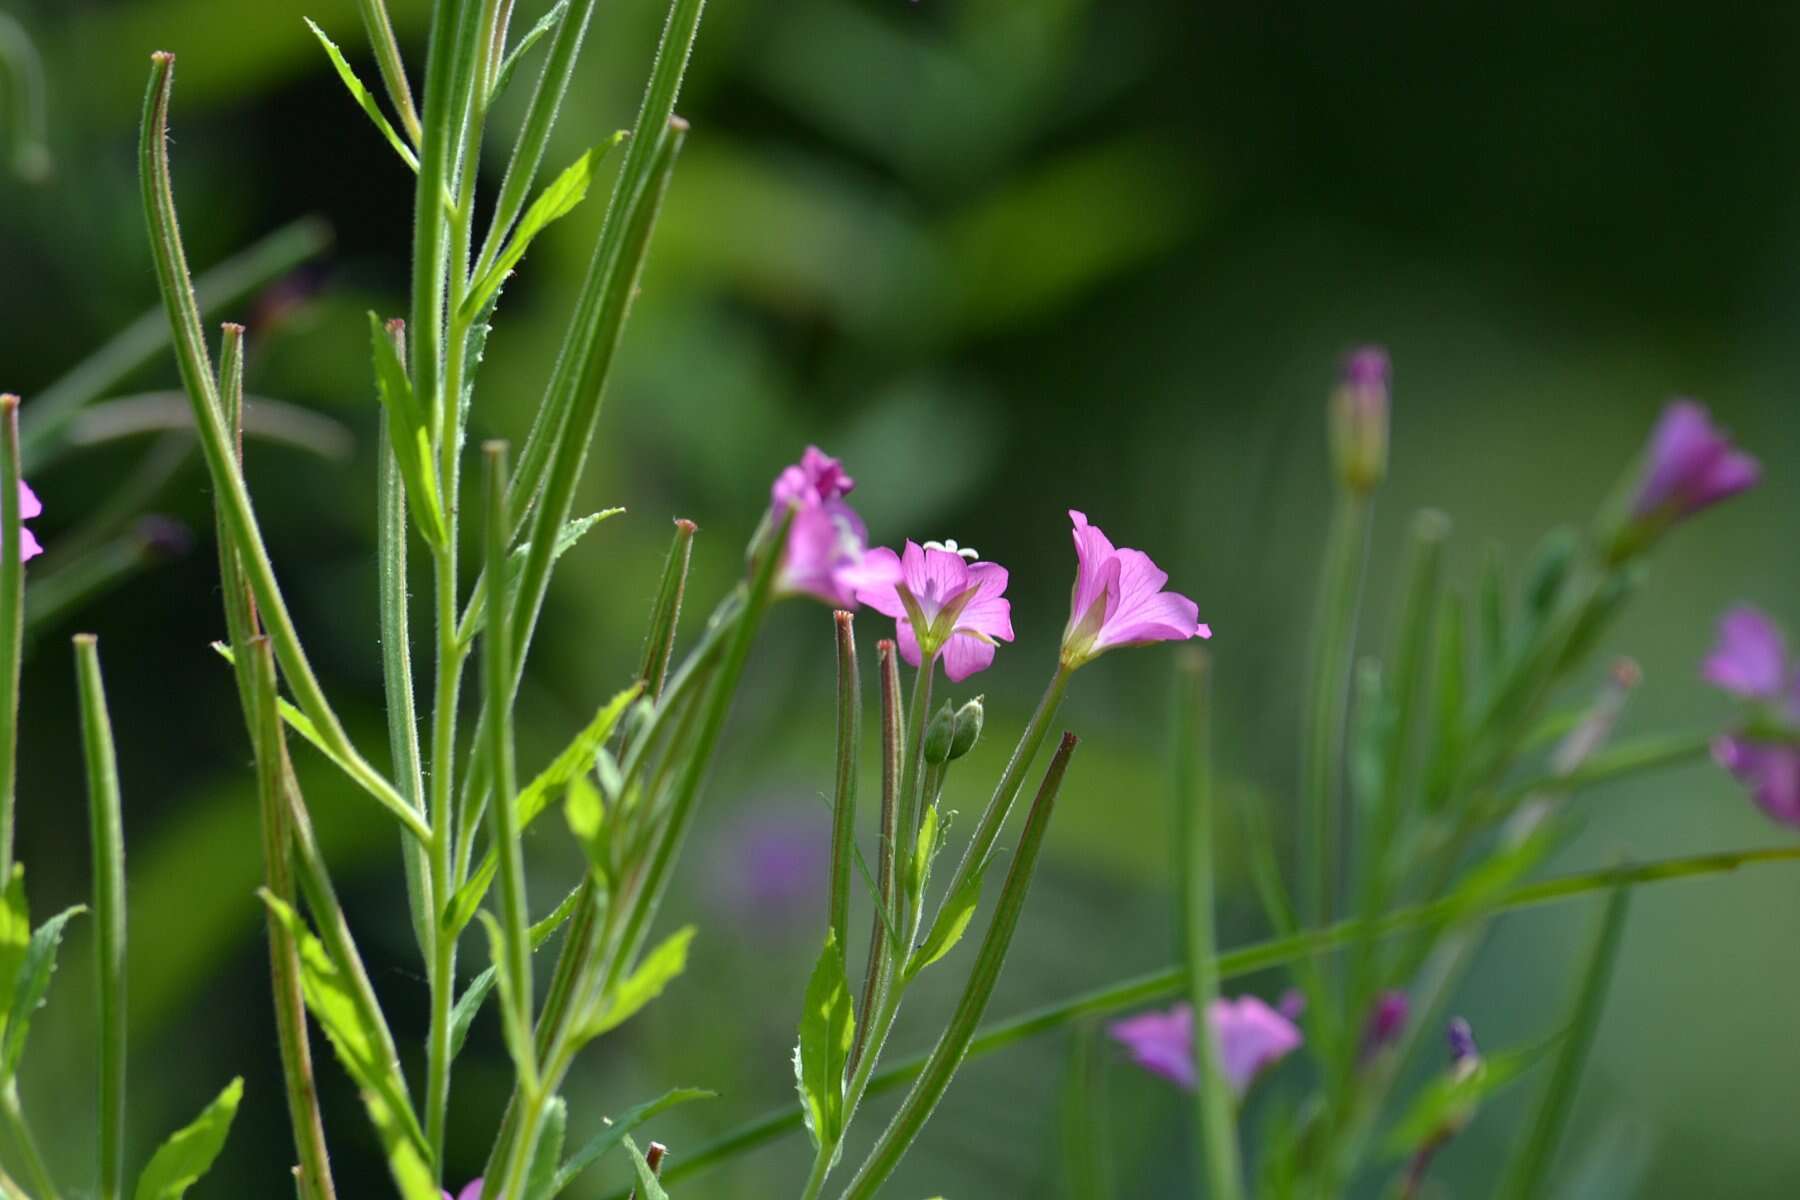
(1279, 951)
(953, 1046)
(107, 831)
(393, 67)
(229, 490)
(1215, 1108)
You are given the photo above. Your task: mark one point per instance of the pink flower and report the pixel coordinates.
(471, 1191)
(826, 540)
(1249, 1036)
(1751, 661)
(957, 604)
(29, 507)
(1691, 465)
(1387, 1021)
(1118, 600)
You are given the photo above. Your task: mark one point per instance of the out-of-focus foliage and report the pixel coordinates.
(1003, 259)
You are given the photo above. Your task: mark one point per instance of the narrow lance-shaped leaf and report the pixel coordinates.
(31, 986)
(189, 1154)
(469, 1003)
(643, 985)
(474, 618)
(510, 63)
(408, 430)
(558, 199)
(827, 1027)
(1530, 1170)
(603, 1142)
(364, 99)
(951, 922)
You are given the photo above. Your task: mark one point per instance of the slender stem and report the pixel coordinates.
(1328, 695)
(1233, 964)
(20, 1128)
(883, 934)
(393, 67)
(1215, 1109)
(843, 808)
(953, 1046)
(397, 677)
(12, 621)
(503, 817)
(107, 831)
(229, 490)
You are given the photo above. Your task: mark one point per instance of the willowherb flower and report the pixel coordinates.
(1118, 600)
(1387, 1021)
(1248, 1035)
(942, 604)
(1359, 419)
(826, 540)
(1751, 661)
(471, 1190)
(29, 507)
(1688, 466)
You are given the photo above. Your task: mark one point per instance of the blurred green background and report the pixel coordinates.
(1005, 259)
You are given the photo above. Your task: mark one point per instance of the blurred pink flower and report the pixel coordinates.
(825, 543)
(1691, 465)
(29, 507)
(1249, 1035)
(1751, 662)
(471, 1191)
(960, 603)
(1118, 600)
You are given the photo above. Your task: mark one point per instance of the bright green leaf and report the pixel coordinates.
(32, 981)
(410, 434)
(190, 1153)
(587, 821)
(602, 1143)
(643, 985)
(557, 200)
(827, 1026)
(545, 24)
(15, 932)
(362, 96)
(951, 923)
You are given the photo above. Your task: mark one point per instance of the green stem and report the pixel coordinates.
(397, 678)
(1233, 964)
(229, 490)
(953, 1046)
(107, 831)
(26, 1142)
(884, 935)
(12, 621)
(843, 809)
(1215, 1108)
(1328, 698)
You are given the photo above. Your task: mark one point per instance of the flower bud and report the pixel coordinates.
(968, 729)
(940, 736)
(1359, 419)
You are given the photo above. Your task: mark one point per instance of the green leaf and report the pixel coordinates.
(951, 923)
(602, 1143)
(648, 1187)
(1531, 1164)
(475, 619)
(15, 931)
(643, 985)
(587, 821)
(923, 851)
(410, 433)
(32, 982)
(577, 758)
(362, 96)
(179, 1162)
(469, 1003)
(1449, 1102)
(558, 199)
(545, 24)
(329, 999)
(827, 1026)
(542, 1175)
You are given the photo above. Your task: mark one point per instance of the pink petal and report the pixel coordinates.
(472, 1191)
(1750, 657)
(909, 642)
(1251, 1037)
(875, 580)
(28, 546)
(1092, 552)
(988, 612)
(963, 655)
(934, 576)
(29, 506)
(1162, 1043)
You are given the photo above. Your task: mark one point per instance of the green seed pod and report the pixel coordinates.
(939, 735)
(968, 729)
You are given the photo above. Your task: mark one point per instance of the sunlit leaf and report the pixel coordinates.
(179, 1162)
(643, 985)
(364, 98)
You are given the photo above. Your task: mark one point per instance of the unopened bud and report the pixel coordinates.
(940, 736)
(1359, 419)
(968, 728)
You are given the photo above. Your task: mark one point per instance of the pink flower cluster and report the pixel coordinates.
(1751, 661)
(946, 603)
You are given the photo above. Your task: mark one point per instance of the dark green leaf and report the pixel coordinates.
(32, 981)
(827, 1026)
